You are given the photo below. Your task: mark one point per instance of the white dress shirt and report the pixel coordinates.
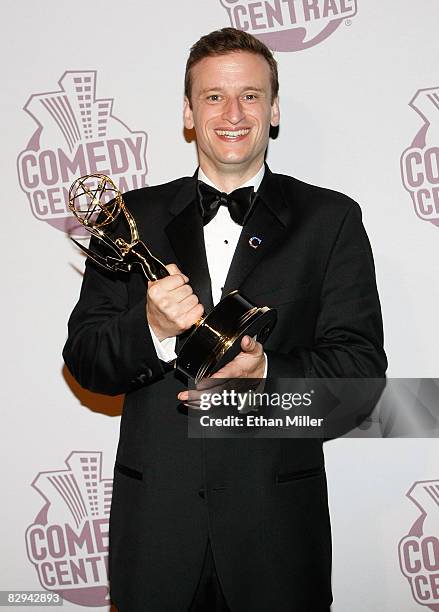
(221, 236)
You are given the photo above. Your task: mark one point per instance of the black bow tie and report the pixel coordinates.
(239, 202)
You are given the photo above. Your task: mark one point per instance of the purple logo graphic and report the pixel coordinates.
(76, 135)
(419, 550)
(68, 540)
(420, 162)
(289, 25)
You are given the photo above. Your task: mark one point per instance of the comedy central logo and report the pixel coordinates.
(289, 25)
(77, 134)
(420, 161)
(68, 540)
(419, 550)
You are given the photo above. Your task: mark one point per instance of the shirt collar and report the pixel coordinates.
(254, 182)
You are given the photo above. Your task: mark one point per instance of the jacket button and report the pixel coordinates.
(142, 378)
(201, 493)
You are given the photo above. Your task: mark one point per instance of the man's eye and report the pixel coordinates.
(250, 97)
(213, 97)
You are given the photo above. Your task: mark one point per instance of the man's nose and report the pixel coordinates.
(234, 111)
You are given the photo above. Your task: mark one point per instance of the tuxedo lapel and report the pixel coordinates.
(263, 230)
(185, 233)
(266, 224)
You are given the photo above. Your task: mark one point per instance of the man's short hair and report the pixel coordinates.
(228, 40)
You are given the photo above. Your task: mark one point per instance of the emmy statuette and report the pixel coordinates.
(216, 338)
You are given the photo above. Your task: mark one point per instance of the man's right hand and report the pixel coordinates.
(172, 307)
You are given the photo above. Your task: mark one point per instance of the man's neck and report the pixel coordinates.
(229, 181)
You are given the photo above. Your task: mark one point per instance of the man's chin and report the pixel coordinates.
(231, 162)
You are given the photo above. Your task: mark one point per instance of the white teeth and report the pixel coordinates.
(232, 134)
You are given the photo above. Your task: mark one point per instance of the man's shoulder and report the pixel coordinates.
(154, 193)
(153, 203)
(308, 194)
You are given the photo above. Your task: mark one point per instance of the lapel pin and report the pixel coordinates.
(254, 242)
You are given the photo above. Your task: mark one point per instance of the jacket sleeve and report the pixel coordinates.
(348, 336)
(109, 347)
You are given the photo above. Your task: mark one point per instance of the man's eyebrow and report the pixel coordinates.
(246, 88)
(206, 89)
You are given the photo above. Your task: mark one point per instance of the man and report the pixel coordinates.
(217, 524)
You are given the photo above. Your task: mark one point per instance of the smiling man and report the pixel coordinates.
(226, 524)
(231, 102)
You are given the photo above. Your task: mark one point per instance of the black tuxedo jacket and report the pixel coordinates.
(262, 502)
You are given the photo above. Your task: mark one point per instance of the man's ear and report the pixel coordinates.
(275, 113)
(188, 118)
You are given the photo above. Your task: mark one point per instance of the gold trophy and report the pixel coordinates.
(215, 339)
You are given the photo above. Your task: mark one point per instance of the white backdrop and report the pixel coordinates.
(346, 122)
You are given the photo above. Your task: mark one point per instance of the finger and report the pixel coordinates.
(180, 317)
(183, 312)
(174, 269)
(189, 303)
(247, 344)
(230, 370)
(190, 401)
(169, 283)
(193, 315)
(193, 406)
(182, 292)
(251, 345)
(191, 396)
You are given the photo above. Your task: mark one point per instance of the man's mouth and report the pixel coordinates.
(232, 134)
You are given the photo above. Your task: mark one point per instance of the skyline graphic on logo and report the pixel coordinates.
(420, 161)
(419, 550)
(289, 25)
(68, 540)
(77, 134)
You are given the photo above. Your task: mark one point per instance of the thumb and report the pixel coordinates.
(248, 344)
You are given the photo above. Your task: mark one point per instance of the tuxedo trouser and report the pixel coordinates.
(208, 595)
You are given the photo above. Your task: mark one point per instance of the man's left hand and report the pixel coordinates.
(249, 363)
